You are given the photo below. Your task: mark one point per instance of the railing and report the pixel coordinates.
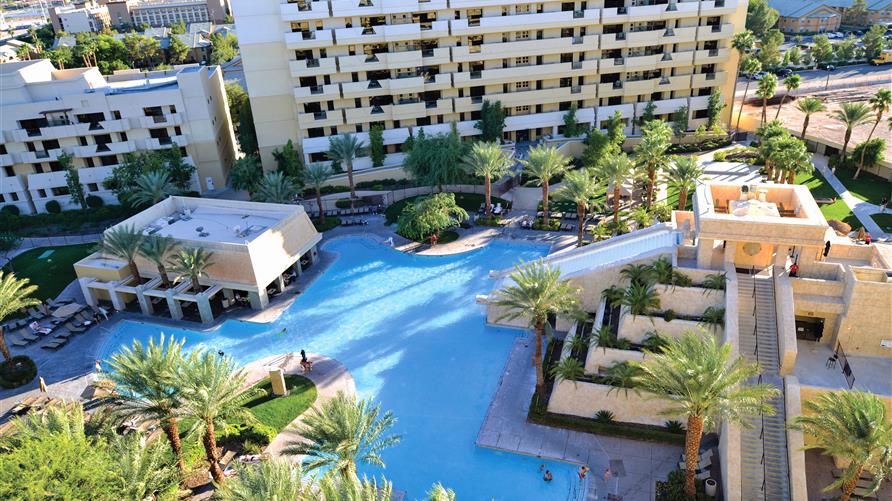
(713, 52)
(618, 84)
(576, 65)
(316, 89)
(844, 364)
(320, 115)
(312, 63)
(476, 74)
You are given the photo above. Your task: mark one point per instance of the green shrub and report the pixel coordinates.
(715, 281)
(604, 416)
(12, 210)
(680, 279)
(94, 202)
(661, 212)
(257, 435)
(669, 315)
(674, 426)
(53, 207)
(673, 488)
(70, 221)
(20, 371)
(489, 221)
(344, 203)
(720, 156)
(553, 225)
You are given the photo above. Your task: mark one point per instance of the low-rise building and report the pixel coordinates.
(98, 120)
(85, 17)
(255, 248)
(807, 16)
(167, 12)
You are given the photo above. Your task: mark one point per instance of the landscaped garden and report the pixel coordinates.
(867, 187)
(884, 220)
(278, 412)
(49, 268)
(470, 202)
(820, 188)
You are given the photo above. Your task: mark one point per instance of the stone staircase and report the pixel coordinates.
(764, 467)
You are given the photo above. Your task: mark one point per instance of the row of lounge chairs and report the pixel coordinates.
(370, 209)
(63, 328)
(354, 222)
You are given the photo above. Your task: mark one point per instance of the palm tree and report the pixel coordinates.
(651, 152)
(751, 66)
(488, 160)
(851, 115)
(766, 90)
(343, 431)
(341, 488)
(853, 426)
(15, 295)
(123, 242)
(682, 175)
(581, 187)
(641, 298)
(743, 43)
(143, 467)
(316, 175)
(662, 271)
(615, 169)
(440, 493)
(809, 106)
(147, 386)
(880, 103)
(569, 368)
(213, 397)
(543, 163)
(274, 187)
(192, 262)
(698, 378)
(621, 376)
(345, 149)
(641, 274)
(151, 188)
(791, 83)
(276, 478)
(155, 248)
(538, 292)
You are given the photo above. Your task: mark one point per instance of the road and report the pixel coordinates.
(846, 76)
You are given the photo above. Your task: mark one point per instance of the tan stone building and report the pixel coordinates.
(807, 16)
(82, 17)
(98, 119)
(316, 69)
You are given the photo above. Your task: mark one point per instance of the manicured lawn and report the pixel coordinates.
(467, 201)
(821, 189)
(867, 187)
(558, 205)
(330, 222)
(278, 412)
(52, 272)
(884, 220)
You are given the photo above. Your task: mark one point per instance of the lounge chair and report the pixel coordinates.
(36, 315)
(38, 329)
(28, 337)
(55, 344)
(63, 334)
(20, 343)
(24, 405)
(75, 328)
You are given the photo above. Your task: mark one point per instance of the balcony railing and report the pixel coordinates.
(576, 65)
(377, 110)
(320, 115)
(158, 119)
(374, 84)
(316, 89)
(312, 63)
(669, 32)
(42, 154)
(33, 132)
(618, 61)
(476, 74)
(667, 56)
(713, 52)
(710, 76)
(618, 84)
(716, 28)
(476, 99)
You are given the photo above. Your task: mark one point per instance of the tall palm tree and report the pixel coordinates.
(274, 187)
(766, 90)
(15, 295)
(543, 163)
(276, 478)
(143, 467)
(213, 397)
(147, 386)
(682, 175)
(155, 248)
(538, 292)
(751, 66)
(809, 106)
(851, 115)
(743, 43)
(641, 298)
(615, 169)
(343, 431)
(698, 378)
(341, 488)
(880, 103)
(853, 426)
(315, 176)
(123, 242)
(791, 83)
(192, 262)
(581, 187)
(792, 160)
(488, 160)
(345, 149)
(440, 493)
(651, 152)
(151, 188)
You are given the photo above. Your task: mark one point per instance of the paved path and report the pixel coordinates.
(861, 208)
(505, 427)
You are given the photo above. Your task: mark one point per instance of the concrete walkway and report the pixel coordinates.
(635, 465)
(862, 209)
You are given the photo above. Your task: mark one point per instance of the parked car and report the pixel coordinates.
(783, 72)
(759, 75)
(858, 34)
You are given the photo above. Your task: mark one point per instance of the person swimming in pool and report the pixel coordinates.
(548, 477)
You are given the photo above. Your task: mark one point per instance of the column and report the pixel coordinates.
(228, 294)
(297, 268)
(259, 299)
(704, 253)
(204, 308)
(554, 131)
(87, 291)
(280, 283)
(116, 300)
(145, 302)
(176, 311)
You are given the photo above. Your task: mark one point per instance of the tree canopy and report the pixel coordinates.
(492, 121)
(124, 176)
(436, 160)
(760, 17)
(429, 216)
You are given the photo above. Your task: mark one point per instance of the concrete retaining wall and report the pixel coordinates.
(635, 329)
(603, 358)
(586, 399)
(689, 300)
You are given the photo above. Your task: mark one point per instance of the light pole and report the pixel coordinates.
(830, 69)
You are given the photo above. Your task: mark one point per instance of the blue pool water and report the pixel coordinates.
(409, 331)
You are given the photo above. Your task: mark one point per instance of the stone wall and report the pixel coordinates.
(583, 399)
(603, 358)
(786, 322)
(635, 329)
(689, 300)
(795, 441)
(868, 318)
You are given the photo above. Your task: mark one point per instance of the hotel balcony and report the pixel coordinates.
(431, 57)
(362, 62)
(440, 81)
(519, 48)
(320, 119)
(684, 58)
(158, 143)
(55, 129)
(466, 104)
(438, 107)
(647, 12)
(303, 40)
(711, 56)
(116, 148)
(32, 157)
(407, 109)
(612, 64)
(641, 63)
(708, 79)
(644, 86)
(317, 93)
(366, 88)
(717, 32)
(431, 30)
(717, 7)
(313, 67)
(685, 8)
(58, 179)
(355, 8)
(610, 89)
(6, 160)
(664, 106)
(155, 121)
(535, 21)
(679, 35)
(531, 97)
(105, 126)
(677, 82)
(471, 4)
(369, 114)
(407, 85)
(699, 102)
(12, 184)
(310, 10)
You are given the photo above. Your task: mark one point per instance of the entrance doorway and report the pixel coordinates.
(522, 136)
(809, 328)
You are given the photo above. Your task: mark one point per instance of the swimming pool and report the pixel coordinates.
(409, 331)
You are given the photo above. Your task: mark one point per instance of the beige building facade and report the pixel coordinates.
(168, 12)
(98, 120)
(84, 17)
(317, 69)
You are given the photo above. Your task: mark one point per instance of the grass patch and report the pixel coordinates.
(52, 273)
(867, 187)
(278, 412)
(445, 237)
(884, 220)
(820, 188)
(467, 201)
(672, 195)
(330, 222)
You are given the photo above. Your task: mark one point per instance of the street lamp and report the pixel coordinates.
(830, 69)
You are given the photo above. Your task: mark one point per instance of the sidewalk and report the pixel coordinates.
(863, 210)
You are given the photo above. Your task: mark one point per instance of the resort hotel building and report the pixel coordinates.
(253, 247)
(822, 325)
(321, 68)
(98, 120)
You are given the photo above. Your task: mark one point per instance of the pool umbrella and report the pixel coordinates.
(67, 310)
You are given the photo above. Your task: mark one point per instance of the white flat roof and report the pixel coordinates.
(213, 224)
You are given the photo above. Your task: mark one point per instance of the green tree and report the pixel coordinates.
(61, 56)
(274, 187)
(651, 152)
(376, 145)
(289, 162)
(342, 432)
(436, 160)
(245, 174)
(344, 149)
(317, 174)
(750, 67)
(615, 170)
(856, 14)
(156, 248)
(794, 55)
(874, 41)
(144, 468)
(178, 28)
(697, 377)
(789, 156)
(641, 299)
(648, 113)
(680, 121)
(148, 388)
(851, 115)
(543, 163)
(682, 176)
(597, 145)
(151, 188)
(538, 292)
(853, 426)
(192, 263)
(73, 180)
(235, 97)
(822, 50)
(791, 83)
(714, 109)
(771, 42)
(15, 295)
(808, 106)
(177, 51)
(489, 161)
(615, 126)
(224, 47)
(880, 104)
(492, 121)
(273, 479)
(845, 51)
(766, 90)
(572, 128)
(247, 134)
(581, 187)
(870, 153)
(760, 17)
(123, 242)
(213, 397)
(170, 161)
(429, 216)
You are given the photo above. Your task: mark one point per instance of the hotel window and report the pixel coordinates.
(522, 9)
(522, 85)
(522, 61)
(521, 109)
(523, 35)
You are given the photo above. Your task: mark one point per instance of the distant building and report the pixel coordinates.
(879, 12)
(167, 12)
(9, 51)
(119, 11)
(821, 16)
(83, 17)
